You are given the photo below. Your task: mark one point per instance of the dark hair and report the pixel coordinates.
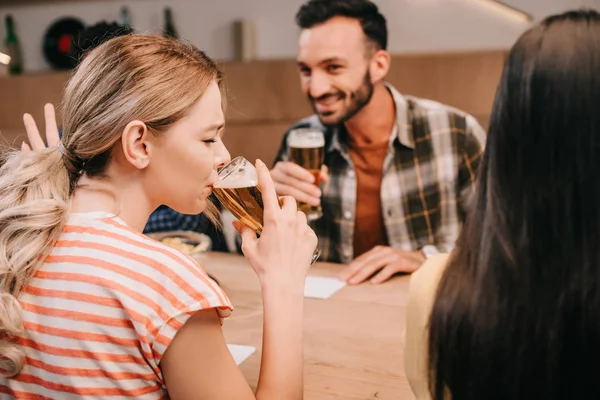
(516, 314)
(373, 23)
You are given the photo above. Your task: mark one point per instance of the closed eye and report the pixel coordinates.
(305, 71)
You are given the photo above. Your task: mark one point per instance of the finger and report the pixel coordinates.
(324, 174)
(267, 187)
(300, 194)
(288, 203)
(417, 256)
(283, 180)
(33, 134)
(411, 264)
(302, 220)
(301, 190)
(386, 273)
(249, 240)
(51, 128)
(359, 262)
(365, 272)
(237, 225)
(384, 259)
(407, 263)
(295, 171)
(25, 147)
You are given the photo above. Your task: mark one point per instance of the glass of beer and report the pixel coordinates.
(239, 192)
(307, 149)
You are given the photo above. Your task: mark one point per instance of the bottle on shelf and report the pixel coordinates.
(13, 47)
(169, 26)
(125, 17)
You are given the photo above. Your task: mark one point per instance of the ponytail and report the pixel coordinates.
(34, 195)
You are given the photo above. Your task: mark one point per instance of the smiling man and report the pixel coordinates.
(400, 169)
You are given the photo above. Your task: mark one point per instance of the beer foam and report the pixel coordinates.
(304, 142)
(242, 177)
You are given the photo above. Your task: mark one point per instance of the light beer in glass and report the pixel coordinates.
(307, 149)
(238, 191)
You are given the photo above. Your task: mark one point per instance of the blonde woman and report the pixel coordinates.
(90, 307)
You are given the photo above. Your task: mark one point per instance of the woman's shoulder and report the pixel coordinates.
(156, 268)
(426, 279)
(423, 287)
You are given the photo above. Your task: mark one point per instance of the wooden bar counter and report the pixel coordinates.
(353, 340)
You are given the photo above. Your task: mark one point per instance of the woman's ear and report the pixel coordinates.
(137, 144)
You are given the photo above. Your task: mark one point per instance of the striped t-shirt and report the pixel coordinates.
(101, 311)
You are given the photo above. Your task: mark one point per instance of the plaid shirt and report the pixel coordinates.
(428, 176)
(165, 219)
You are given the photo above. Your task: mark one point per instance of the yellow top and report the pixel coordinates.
(423, 286)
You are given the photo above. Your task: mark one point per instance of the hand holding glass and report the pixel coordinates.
(239, 192)
(307, 149)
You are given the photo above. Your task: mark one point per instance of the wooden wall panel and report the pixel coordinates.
(264, 91)
(466, 81)
(28, 93)
(264, 97)
(257, 140)
(270, 90)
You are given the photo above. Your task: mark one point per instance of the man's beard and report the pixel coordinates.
(358, 100)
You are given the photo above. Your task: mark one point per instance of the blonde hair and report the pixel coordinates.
(149, 78)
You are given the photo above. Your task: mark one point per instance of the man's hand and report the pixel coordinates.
(292, 180)
(385, 260)
(33, 133)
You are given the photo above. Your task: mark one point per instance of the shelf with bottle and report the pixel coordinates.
(4, 3)
(12, 48)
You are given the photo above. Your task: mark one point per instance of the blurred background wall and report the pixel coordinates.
(414, 25)
(451, 51)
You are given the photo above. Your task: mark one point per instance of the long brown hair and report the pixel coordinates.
(516, 315)
(153, 79)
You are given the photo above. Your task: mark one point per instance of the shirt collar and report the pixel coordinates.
(402, 130)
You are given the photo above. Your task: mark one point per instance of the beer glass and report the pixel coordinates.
(237, 189)
(307, 149)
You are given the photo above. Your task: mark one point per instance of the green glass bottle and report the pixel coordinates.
(169, 27)
(13, 47)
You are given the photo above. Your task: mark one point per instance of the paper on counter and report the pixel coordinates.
(241, 352)
(322, 288)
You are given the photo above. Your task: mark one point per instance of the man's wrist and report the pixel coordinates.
(429, 251)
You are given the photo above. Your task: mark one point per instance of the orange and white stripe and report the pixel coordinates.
(102, 310)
